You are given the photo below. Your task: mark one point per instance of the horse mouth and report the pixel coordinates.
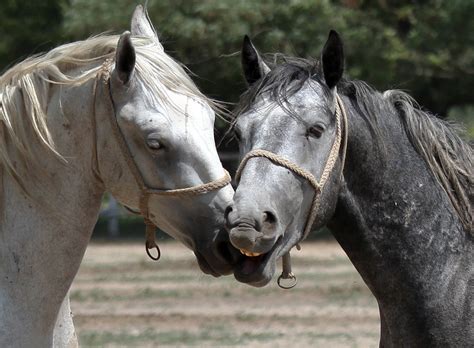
(257, 269)
(249, 253)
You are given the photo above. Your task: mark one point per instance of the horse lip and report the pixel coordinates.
(245, 225)
(249, 253)
(257, 278)
(258, 242)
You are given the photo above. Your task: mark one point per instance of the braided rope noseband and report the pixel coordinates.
(145, 191)
(303, 173)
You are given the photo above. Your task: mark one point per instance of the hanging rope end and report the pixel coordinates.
(150, 242)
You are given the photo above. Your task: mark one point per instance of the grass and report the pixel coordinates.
(130, 301)
(100, 295)
(217, 336)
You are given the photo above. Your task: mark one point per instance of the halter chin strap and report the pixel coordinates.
(318, 186)
(145, 191)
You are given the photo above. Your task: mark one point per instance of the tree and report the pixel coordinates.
(423, 47)
(28, 27)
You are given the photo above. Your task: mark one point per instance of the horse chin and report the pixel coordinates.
(213, 267)
(205, 266)
(258, 271)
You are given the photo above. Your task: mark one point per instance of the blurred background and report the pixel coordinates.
(120, 298)
(424, 47)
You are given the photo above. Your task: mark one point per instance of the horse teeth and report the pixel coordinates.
(249, 253)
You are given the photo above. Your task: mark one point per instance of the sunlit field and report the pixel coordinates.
(121, 298)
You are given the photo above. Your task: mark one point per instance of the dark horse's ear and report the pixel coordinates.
(332, 59)
(253, 65)
(125, 58)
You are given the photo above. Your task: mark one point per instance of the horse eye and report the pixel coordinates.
(154, 144)
(316, 131)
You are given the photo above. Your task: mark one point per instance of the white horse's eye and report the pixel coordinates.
(154, 144)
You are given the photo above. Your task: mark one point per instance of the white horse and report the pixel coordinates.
(107, 114)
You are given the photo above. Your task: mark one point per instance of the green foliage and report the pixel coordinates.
(465, 116)
(424, 48)
(28, 27)
(131, 227)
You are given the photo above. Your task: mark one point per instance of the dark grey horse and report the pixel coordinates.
(400, 206)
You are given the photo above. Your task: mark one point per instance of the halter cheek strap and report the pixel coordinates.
(145, 191)
(318, 186)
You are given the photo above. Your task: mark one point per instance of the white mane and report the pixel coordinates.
(24, 89)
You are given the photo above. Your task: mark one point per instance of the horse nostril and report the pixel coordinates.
(268, 217)
(227, 211)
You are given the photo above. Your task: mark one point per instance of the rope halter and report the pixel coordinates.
(318, 186)
(145, 191)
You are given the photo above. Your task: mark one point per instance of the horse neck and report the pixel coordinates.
(44, 233)
(396, 223)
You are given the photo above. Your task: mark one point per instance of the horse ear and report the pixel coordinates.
(252, 64)
(332, 59)
(124, 58)
(141, 25)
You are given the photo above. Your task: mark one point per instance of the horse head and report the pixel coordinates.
(289, 128)
(167, 167)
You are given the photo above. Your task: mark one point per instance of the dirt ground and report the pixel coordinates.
(121, 298)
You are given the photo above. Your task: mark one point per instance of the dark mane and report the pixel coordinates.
(287, 76)
(450, 159)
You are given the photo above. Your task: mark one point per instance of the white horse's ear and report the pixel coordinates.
(141, 25)
(124, 58)
(252, 64)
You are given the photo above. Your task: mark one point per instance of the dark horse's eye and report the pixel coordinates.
(316, 131)
(154, 144)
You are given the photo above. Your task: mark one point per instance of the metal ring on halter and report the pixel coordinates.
(286, 277)
(155, 246)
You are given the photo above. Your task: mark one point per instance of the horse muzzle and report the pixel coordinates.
(250, 242)
(251, 230)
